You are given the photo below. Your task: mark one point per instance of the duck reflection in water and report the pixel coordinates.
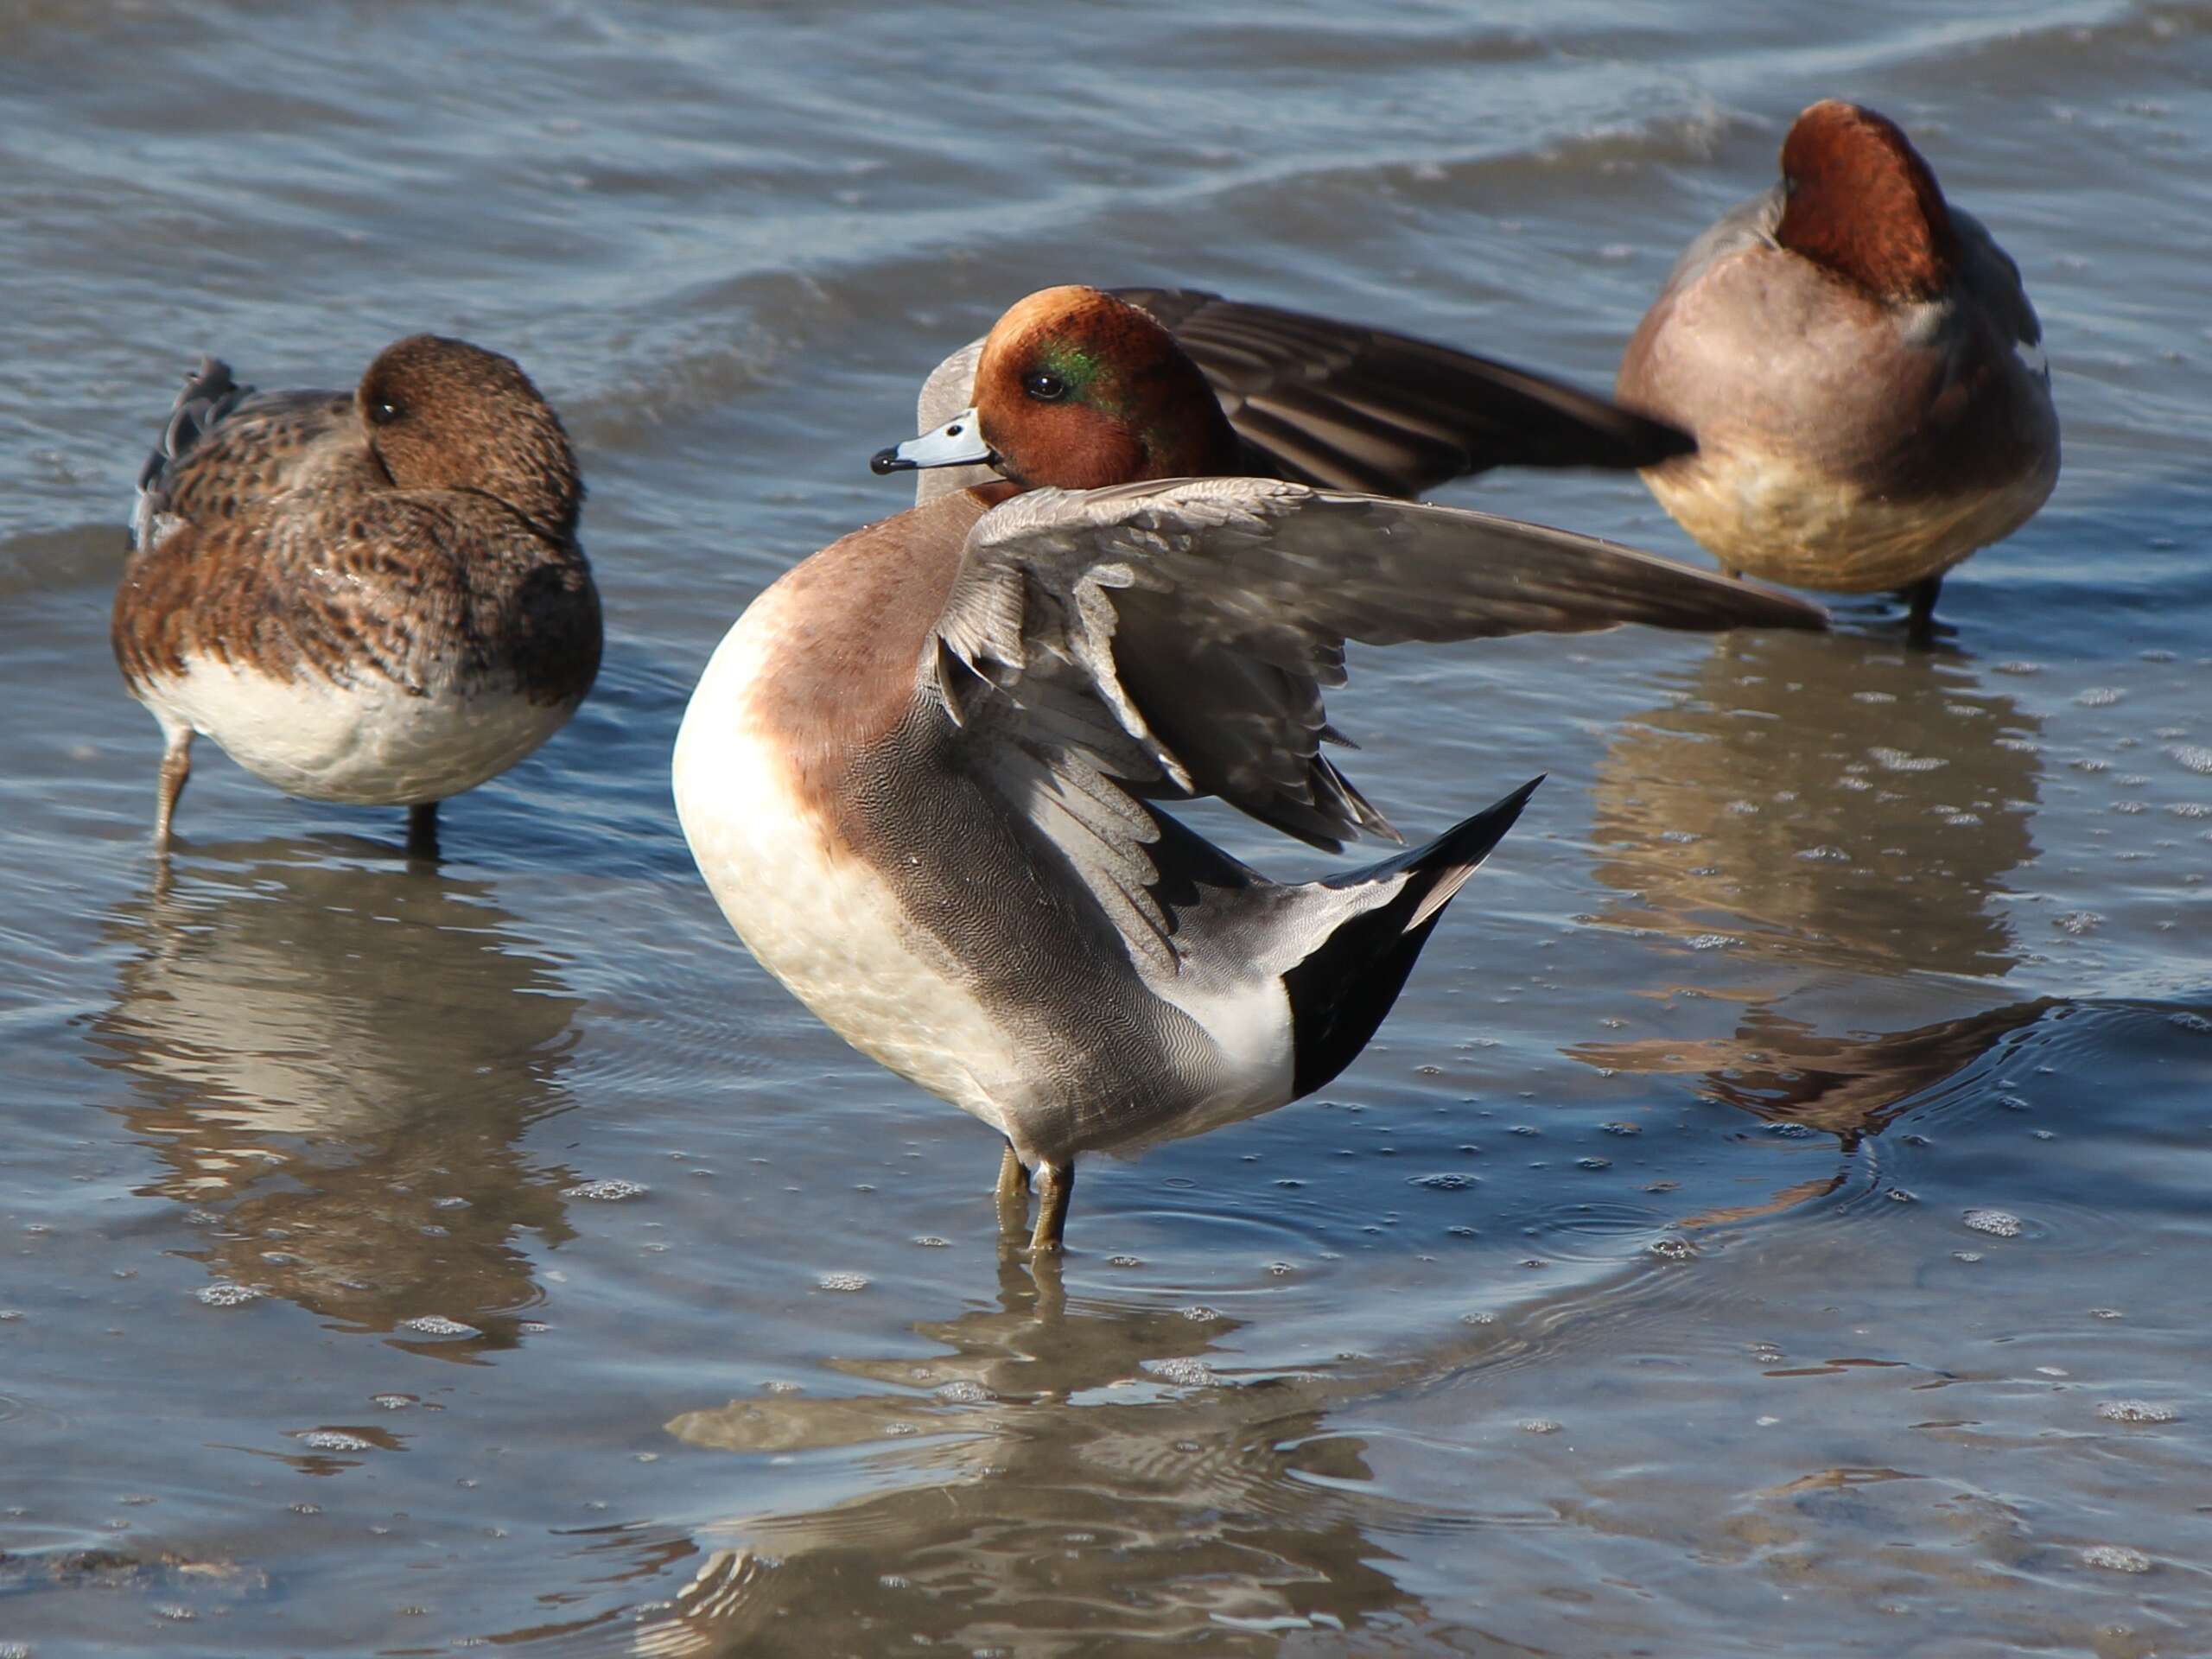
(333, 1059)
(1055, 1470)
(1835, 804)
(1850, 804)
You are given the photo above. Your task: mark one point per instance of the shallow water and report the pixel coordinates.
(1773, 1217)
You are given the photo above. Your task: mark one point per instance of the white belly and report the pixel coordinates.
(820, 919)
(367, 744)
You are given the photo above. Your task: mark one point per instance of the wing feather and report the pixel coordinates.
(1171, 640)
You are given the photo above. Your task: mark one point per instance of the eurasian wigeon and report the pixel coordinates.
(1860, 367)
(1342, 406)
(374, 597)
(919, 773)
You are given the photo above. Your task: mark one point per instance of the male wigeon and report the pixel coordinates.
(374, 596)
(1342, 406)
(1860, 367)
(918, 774)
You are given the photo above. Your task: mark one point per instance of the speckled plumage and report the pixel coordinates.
(377, 597)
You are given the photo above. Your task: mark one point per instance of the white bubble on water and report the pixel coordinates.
(606, 1191)
(2136, 1411)
(331, 1440)
(964, 1392)
(2116, 1558)
(2191, 757)
(1998, 1223)
(1898, 760)
(2078, 922)
(1712, 941)
(1825, 854)
(223, 1294)
(2099, 696)
(2018, 667)
(1185, 1372)
(1200, 1313)
(437, 1325)
(1542, 1425)
(392, 1402)
(2189, 1021)
(842, 1282)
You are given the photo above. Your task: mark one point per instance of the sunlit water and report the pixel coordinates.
(1774, 1216)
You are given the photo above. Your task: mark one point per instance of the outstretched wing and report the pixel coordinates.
(1341, 406)
(1174, 638)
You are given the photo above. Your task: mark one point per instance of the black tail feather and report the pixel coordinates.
(1339, 993)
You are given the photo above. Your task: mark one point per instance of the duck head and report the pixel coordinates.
(1860, 202)
(440, 414)
(1076, 390)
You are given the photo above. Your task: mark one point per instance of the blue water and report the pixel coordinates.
(1772, 1219)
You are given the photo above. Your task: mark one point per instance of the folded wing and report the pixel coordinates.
(227, 446)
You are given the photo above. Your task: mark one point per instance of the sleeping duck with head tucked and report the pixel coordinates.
(373, 597)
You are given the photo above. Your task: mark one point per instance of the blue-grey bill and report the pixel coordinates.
(958, 442)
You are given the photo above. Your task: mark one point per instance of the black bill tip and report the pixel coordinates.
(884, 462)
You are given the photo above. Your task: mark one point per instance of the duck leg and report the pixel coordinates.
(177, 767)
(1014, 1179)
(423, 830)
(1012, 1195)
(1055, 1182)
(1920, 624)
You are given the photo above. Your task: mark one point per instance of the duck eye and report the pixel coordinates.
(1045, 388)
(385, 412)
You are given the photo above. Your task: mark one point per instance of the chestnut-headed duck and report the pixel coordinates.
(375, 596)
(1860, 367)
(1341, 406)
(919, 774)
